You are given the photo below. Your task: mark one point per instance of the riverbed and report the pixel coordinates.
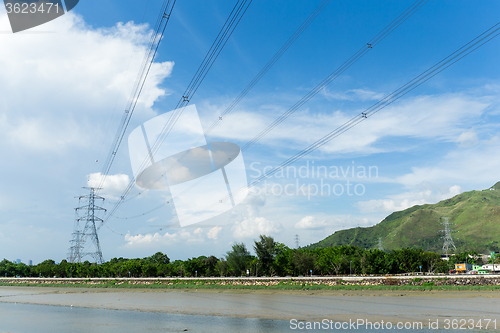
(131, 310)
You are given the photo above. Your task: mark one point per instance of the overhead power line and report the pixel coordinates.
(298, 32)
(225, 33)
(360, 53)
(468, 48)
(348, 63)
(335, 74)
(154, 43)
(213, 53)
(270, 63)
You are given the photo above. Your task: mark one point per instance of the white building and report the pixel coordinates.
(492, 267)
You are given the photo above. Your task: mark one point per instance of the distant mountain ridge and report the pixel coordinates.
(475, 214)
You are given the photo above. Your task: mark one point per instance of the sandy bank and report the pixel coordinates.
(276, 304)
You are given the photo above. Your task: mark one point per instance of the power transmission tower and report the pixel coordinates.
(89, 229)
(296, 241)
(75, 251)
(448, 240)
(380, 246)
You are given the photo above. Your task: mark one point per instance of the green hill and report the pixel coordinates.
(475, 214)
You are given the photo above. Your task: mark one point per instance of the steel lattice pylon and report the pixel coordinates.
(448, 240)
(380, 246)
(88, 220)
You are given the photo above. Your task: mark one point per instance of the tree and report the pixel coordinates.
(434, 264)
(133, 266)
(148, 268)
(195, 266)
(303, 262)
(46, 268)
(222, 267)
(283, 261)
(374, 262)
(60, 270)
(265, 249)
(406, 260)
(210, 264)
(7, 268)
(238, 258)
(331, 260)
(159, 259)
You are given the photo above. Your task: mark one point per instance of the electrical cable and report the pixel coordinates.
(224, 34)
(298, 32)
(335, 74)
(451, 59)
(149, 57)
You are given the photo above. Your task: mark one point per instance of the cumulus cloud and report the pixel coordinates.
(406, 200)
(112, 184)
(148, 239)
(253, 226)
(310, 222)
(167, 239)
(59, 87)
(212, 233)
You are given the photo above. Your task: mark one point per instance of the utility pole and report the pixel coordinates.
(89, 228)
(448, 239)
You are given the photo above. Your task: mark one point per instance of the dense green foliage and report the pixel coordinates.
(273, 259)
(475, 216)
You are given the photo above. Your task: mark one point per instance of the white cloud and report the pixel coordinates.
(212, 233)
(352, 95)
(255, 198)
(112, 185)
(474, 165)
(310, 222)
(253, 226)
(59, 88)
(149, 239)
(406, 200)
(439, 117)
(36, 133)
(467, 139)
(167, 239)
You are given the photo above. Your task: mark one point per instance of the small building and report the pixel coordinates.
(492, 267)
(463, 268)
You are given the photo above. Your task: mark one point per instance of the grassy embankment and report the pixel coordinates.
(289, 285)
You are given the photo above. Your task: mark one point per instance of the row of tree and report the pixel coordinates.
(272, 259)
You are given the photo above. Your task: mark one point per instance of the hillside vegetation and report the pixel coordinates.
(475, 214)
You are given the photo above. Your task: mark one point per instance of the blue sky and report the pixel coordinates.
(65, 85)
